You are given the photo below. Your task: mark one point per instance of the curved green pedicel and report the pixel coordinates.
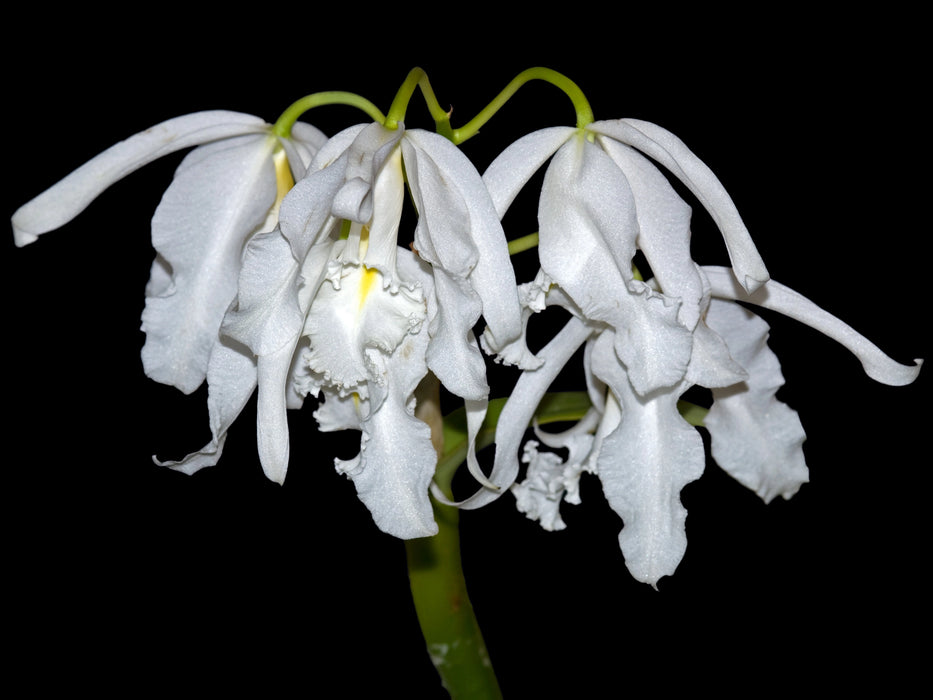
(581, 105)
(417, 78)
(283, 125)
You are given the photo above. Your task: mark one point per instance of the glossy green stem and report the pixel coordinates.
(445, 613)
(438, 586)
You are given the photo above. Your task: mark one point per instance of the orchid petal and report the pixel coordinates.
(459, 231)
(673, 154)
(221, 193)
(755, 438)
(513, 168)
(519, 410)
(587, 208)
(453, 353)
(777, 297)
(305, 216)
(271, 409)
(366, 157)
(663, 229)
(643, 465)
(267, 315)
(231, 380)
(71, 195)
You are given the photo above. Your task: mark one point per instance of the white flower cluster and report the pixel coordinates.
(278, 270)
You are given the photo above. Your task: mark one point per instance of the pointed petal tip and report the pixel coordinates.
(275, 473)
(902, 375)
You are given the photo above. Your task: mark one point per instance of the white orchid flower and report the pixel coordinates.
(225, 190)
(359, 321)
(646, 343)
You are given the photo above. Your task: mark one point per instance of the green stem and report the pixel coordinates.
(283, 126)
(445, 613)
(581, 105)
(522, 244)
(417, 78)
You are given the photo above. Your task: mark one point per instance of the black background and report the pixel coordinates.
(127, 576)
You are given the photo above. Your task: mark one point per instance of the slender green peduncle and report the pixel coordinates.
(417, 78)
(571, 89)
(283, 126)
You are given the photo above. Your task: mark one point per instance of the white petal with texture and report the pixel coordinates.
(673, 154)
(643, 466)
(69, 197)
(220, 195)
(785, 300)
(755, 438)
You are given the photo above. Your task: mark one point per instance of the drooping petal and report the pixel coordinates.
(268, 320)
(673, 154)
(777, 297)
(67, 198)
(663, 229)
(305, 216)
(453, 353)
(221, 193)
(514, 167)
(587, 241)
(267, 314)
(459, 231)
(272, 438)
(519, 410)
(231, 380)
(586, 195)
(643, 465)
(756, 439)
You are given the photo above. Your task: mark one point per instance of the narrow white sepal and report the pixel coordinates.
(785, 300)
(71, 195)
(668, 150)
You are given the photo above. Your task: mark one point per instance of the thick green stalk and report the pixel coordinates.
(451, 631)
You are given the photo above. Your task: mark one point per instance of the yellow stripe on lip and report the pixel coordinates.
(369, 274)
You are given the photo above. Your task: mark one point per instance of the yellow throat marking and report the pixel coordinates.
(369, 275)
(283, 176)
